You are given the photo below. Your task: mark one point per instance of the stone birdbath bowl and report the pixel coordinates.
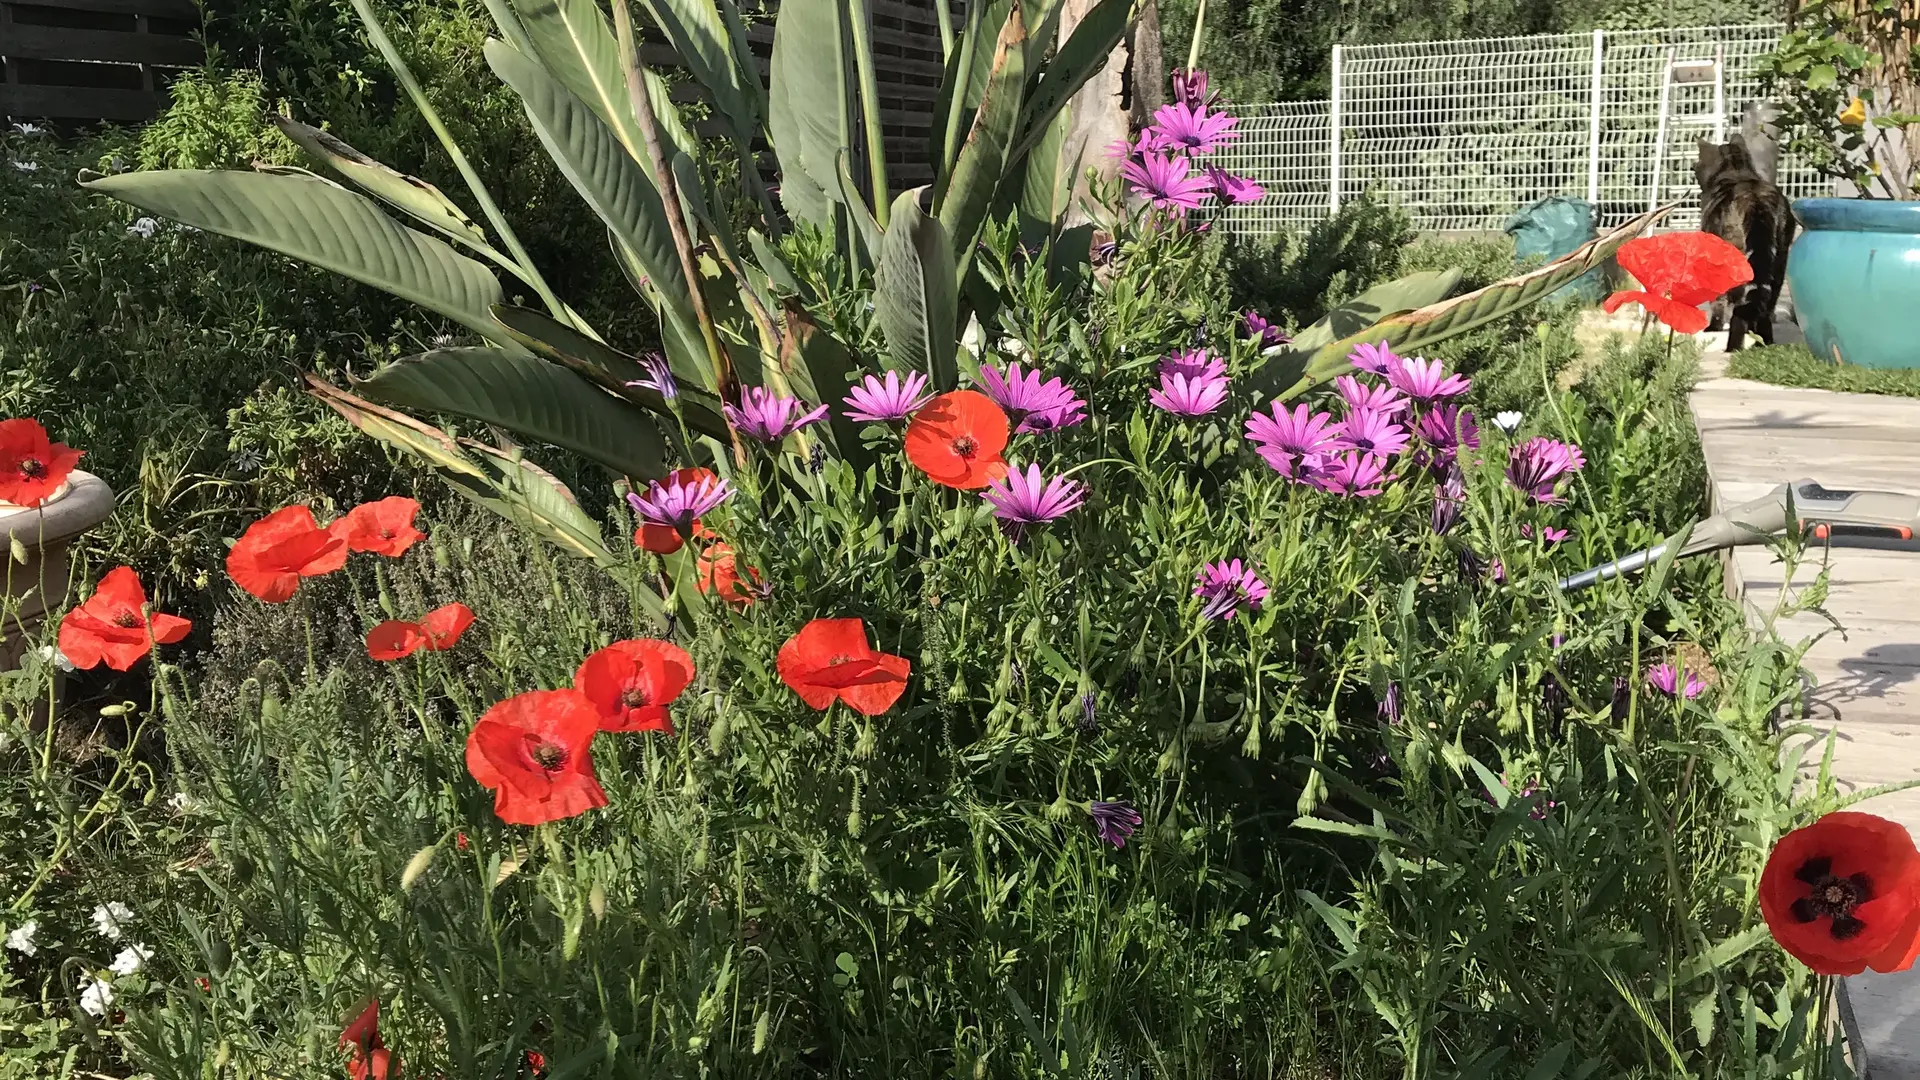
(46, 533)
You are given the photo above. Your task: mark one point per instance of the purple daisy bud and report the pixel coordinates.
(1666, 679)
(1472, 566)
(1034, 403)
(1425, 380)
(1449, 498)
(1389, 708)
(677, 502)
(1621, 704)
(1447, 428)
(1286, 440)
(658, 377)
(1182, 395)
(1258, 327)
(1353, 474)
(1373, 359)
(768, 417)
(1194, 363)
(1025, 498)
(1189, 129)
(1538, 464)
(1371, 432)
(1089, 713)
(1167, 181)
(1114, 821)
(877, 400)
(1358, 395)
(1190, 89)
(1226, 586)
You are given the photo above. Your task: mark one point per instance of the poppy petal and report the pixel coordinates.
(394, 640)
(878, 693)
(444, 625)
(168, 629)
(536, 750)
(659, 539)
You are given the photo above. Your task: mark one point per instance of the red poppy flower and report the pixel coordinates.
(460, 840)
(1843, 894)
(31, 466)
(384, 527)
(665, 539)
(536, 1063)
(1679, 272)
(719, 575)
(957, 438)
(632, 682)
(280, 549)
(535, 751)
(395, 639)
(113, 625)
(829, 660)
(368, 1057)
(444, 625)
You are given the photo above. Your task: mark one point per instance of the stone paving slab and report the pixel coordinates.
(1866, 682)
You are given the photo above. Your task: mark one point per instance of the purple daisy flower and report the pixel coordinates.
(769, 417)
(1139, 146)
(1034, 403)
(1114, 821)
(1388, 710)
(1166, 181)
(1447, 428)
(1184, 395)
(675, 504)
(1291, 441)
(1425, 380)
(1226, 586)
(1021, 499)
(1268, 334)
(1548, 533)
(1194, 364)
(877, 400)
(1538, 464)
(1190, 89)
(1354, 475)
(1234, 190)
(1666, 679)
(1374, 359)
(1370, 431)
(1358, 395)
(658, 377)
(1189, 130)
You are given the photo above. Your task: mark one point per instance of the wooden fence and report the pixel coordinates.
(89, 60)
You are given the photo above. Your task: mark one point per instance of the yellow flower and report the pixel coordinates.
(1855, 113)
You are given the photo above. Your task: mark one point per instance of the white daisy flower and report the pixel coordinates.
(27, 166)
(96, 997)
(144, 228)
(1508, 421)
(21, 939)
(109, 917)
(56, 657)
(130, 959)
(182, 803)
(27, 129)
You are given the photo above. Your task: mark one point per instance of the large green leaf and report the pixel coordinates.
(807, 105)
(537, 400)
(608, 367)
(546, 507)
(1389, 298)
(321, 223)
(966, 78)
(916, 293)
(1047, 183)
(411, 196)
(819, 368)
(609, 179)
(574, 41)
(866, 230)
(700, 38)
(1411, 331)
(1080, 57)
(983, 158)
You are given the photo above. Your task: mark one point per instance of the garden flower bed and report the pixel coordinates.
(1136, 690)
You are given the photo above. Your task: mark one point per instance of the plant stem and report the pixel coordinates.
(870, 107)
(480, 194)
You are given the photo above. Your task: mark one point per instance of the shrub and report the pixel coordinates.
(214, 120)
(1294, 277)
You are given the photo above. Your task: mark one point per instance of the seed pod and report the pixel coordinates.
(597, 900)
(19, 550)
(417, 866)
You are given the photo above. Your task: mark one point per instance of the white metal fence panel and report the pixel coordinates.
(1463, 133)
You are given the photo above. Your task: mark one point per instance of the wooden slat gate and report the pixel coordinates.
(88, 60)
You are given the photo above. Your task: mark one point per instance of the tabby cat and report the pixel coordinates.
(1746, 210)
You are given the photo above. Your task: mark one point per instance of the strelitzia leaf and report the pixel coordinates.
(700, 38)
(917, 295)
(323, 224)
(807, 105)
(539, 401)
(609, 368)
(574, 42)
(962, 206)
(1078, 59)
(411, 196)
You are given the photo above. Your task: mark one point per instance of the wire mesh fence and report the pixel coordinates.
(1463, 133)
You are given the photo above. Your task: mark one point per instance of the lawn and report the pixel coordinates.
(1794, 365)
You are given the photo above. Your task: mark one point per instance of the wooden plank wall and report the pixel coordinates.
(88, 60)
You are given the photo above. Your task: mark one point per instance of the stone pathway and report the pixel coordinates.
(1867, 682)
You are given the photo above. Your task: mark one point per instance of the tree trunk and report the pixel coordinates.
(1099, 109)
(1147, 82)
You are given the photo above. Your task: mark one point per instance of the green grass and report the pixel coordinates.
(1794, 365)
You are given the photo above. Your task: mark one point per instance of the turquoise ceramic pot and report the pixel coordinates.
(1855, 277)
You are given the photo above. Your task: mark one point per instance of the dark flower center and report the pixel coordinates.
(126, 618)
(966, 446)
(636, 697)
(838, 660)
(386, 532)
(549, 756)
(33, 468)
(1832, 897)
